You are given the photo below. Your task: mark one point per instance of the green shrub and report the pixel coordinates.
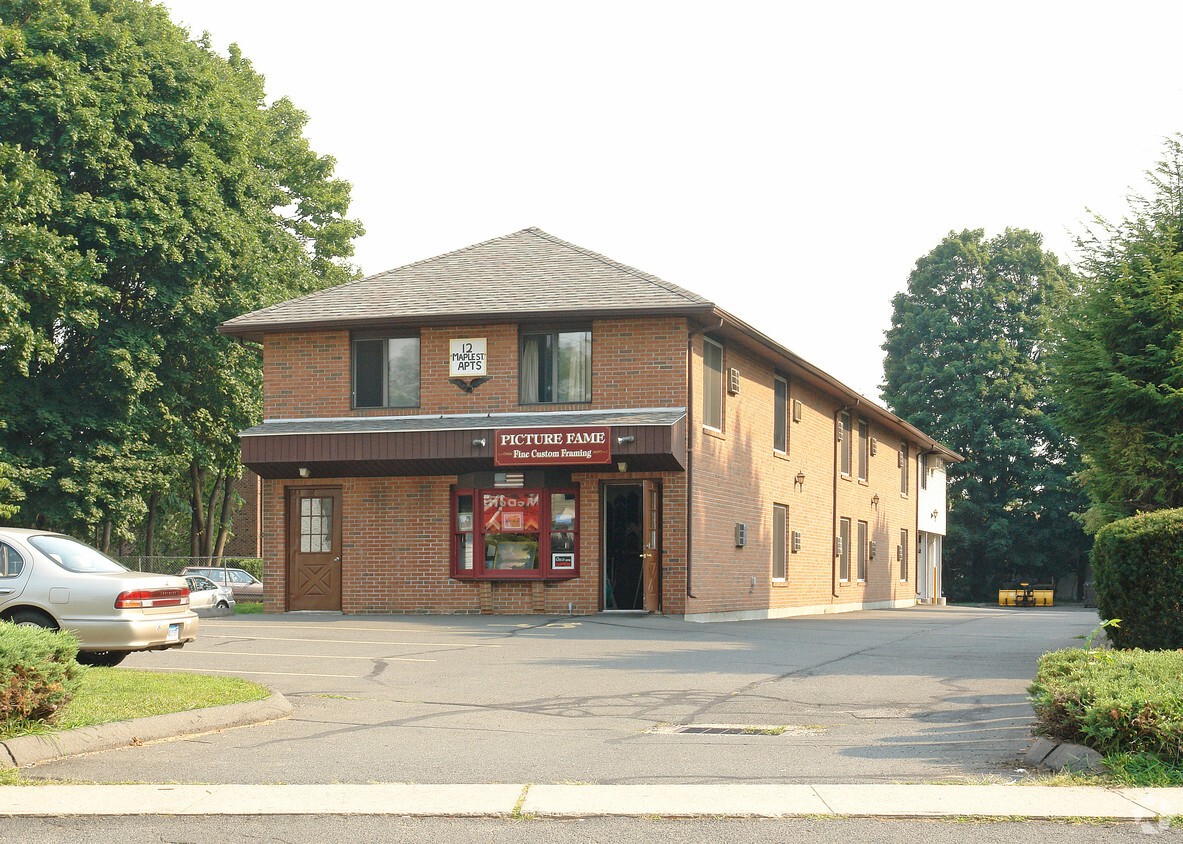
(38, 672)
(1138, 571)
(1112, 701)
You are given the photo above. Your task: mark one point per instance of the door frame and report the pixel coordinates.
(292, 496)
(651, 542)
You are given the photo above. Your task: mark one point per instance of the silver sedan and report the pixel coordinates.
(50, 580)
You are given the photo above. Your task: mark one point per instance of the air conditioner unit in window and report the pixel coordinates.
(796, 541)
(733, 381)
(741, 534)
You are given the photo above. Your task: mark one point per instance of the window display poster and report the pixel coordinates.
(511, 512)
(562, 561)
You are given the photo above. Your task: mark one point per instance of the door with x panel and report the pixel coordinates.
(314, 548)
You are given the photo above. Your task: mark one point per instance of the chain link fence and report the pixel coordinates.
(173, 565)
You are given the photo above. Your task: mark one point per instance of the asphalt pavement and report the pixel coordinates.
(902, 713)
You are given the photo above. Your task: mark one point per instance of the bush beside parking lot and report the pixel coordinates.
(1112, 701)
(1138, 569)
(38, 673)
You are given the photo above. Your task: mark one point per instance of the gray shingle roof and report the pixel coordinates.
(528, 272)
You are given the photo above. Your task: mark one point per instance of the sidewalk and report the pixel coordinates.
(564, 801)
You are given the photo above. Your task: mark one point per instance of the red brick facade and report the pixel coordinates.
(396, 547)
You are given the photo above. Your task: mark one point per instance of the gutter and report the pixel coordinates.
(690, 438)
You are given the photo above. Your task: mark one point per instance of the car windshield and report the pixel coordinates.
(72, 555)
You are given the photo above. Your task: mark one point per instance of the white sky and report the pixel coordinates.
(788, 160)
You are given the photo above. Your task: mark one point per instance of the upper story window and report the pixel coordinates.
(864, 449)
(904, 469)
(712, 384)
(386, 372)
(844, 441)
(780, 414)
(555, 367)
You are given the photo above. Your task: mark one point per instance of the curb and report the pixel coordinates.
(29, 750)
(1062, 756)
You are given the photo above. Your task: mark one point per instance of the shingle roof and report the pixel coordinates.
(528, 272)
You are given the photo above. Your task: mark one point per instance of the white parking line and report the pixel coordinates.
(190, 650)
(345, 641)
(255, 673)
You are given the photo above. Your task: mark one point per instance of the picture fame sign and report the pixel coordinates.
(577, 446)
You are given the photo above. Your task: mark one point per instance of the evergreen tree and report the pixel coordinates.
(1120, 361)
(965, 363)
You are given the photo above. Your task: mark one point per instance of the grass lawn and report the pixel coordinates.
(249, 608)
(117, 694)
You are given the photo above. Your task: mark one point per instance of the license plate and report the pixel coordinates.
(174, 633)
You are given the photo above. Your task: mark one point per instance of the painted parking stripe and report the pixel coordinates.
(344, 641)
(192, 650)
(253, 673)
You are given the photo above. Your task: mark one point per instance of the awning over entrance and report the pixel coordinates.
(652, 439)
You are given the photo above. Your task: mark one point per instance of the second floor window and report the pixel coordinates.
(555, 367)
(712, 384)
(386, 372)
(780, 414)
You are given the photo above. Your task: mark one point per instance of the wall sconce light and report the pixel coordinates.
(622, 466)
(800, 479)
(936, 513)
(480, 441)
(304, 473)
(627, 439)
(875, 501)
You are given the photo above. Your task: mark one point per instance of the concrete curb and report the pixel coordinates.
(29, 750)
(1062, 756)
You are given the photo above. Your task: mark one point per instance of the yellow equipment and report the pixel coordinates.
(1025, 595)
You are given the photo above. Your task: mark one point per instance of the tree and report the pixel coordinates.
(1119, 362)
(965, 363)
(168, 197)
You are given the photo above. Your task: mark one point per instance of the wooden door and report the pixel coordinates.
(651, 548)
(314, 548)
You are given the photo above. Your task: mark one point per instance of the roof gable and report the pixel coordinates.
(522, 274)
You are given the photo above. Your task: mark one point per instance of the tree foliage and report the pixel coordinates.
(965, 363)
(147, 193)
(1120, 360)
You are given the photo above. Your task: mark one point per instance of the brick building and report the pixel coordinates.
(525, 426)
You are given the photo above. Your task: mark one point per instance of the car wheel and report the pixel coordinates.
(222, 605)
(103, 659)
(32, 618)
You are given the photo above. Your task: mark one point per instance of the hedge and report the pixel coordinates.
(1138, 572)
(38, 672)
(1112, 701)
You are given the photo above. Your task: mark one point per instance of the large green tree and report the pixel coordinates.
(1120, 362)
(965, 362)
(168, 196)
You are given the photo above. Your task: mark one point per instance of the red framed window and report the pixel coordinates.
(515, 534)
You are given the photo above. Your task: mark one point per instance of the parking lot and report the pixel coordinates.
(924, 693)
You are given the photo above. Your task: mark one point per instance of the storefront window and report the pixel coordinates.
(524, 533)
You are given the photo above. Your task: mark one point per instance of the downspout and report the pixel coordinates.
(837, 471)
(690, 436)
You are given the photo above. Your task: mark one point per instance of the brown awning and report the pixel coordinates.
(647, 439)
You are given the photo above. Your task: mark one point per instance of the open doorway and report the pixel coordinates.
(632, 543)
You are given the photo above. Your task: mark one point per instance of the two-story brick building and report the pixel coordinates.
(525, 426)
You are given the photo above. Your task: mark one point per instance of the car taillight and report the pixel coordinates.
(169, 596)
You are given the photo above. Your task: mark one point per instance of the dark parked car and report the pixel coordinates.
(244, 585)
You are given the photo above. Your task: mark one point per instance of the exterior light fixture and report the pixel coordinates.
(304, 473)
(480, 441)
(622, 466)
(626, 439)
(800, 479)
(875, 501)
